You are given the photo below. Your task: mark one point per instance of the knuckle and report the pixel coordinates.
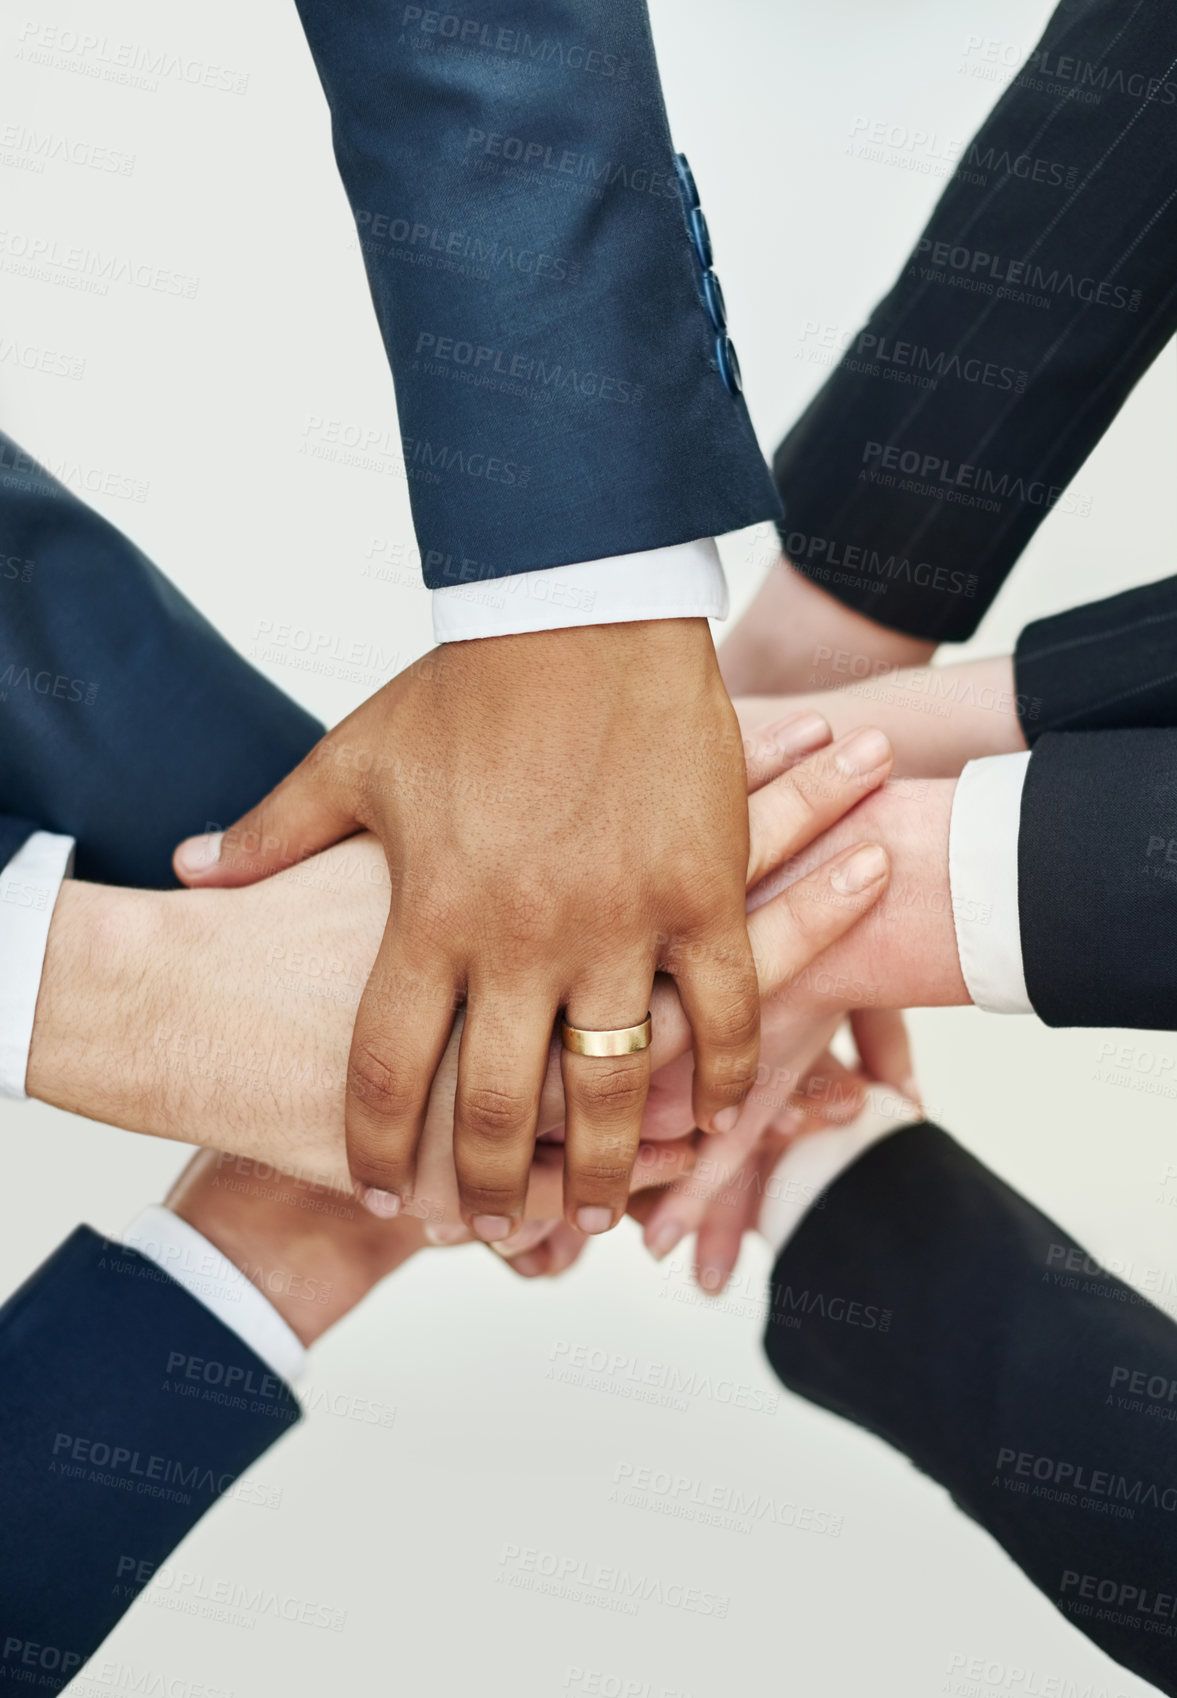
(372, 1162)
(733, 1084)
(381, 1175)
(619, 1091)
(379, 1088)
(797, 799)
(602, 1175)
(700, 899)
(435, 918)
(489, 1197)
(491, 1113)
(733, 1024)
(525, 913)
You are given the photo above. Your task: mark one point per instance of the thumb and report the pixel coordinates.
(298, 818)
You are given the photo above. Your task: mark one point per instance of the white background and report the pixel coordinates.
(213, 403)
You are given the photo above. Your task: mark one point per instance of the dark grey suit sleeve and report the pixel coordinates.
(1108, 665)
(1043, 287)
(931, 1304)
(1097, 878)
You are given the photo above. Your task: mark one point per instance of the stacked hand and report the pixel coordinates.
(561, 814)
(798, 649)
(224, 1017)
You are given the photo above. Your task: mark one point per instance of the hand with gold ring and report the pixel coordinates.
(788, 809)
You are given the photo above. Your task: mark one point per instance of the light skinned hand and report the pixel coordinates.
(937, 718)
(736, 1210)
(179, 1015)
(224, 1017)
(315, 1252)
(802, 1086)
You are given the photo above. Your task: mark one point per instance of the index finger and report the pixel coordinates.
(786, 815)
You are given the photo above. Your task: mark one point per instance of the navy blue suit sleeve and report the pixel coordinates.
(114, 1444)
(931, 1304)
(513, 182)
(126, 720)
(14, 833)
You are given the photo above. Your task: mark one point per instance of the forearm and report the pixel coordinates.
(173, 1015)
(796, 638)
(936, 718)
(93, 1034)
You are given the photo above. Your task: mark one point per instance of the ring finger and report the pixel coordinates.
(604, 1097)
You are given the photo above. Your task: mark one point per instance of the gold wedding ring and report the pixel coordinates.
(623, 1040)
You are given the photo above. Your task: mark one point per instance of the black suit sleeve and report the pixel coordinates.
(929, 1303)
(1097, 879)
(1043, 287)
(110, 1457)
(1108, 665)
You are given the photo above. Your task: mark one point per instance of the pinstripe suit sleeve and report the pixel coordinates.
(1043, 287)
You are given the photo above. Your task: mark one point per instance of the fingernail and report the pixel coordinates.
(800, 735)
(594, 1220)
(529, 1264)
(712, 1280)
(383, 1204)
(531, 1233)
(198, 854)
(726, 1119)
(444, 1235)
(864, 867)
(861, 753)
(490, 1228)
(664, 1238)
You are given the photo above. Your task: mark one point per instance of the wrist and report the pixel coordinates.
(311, 1251)
(903, 952)
(938, 718)
(92, 1032)
(795, 637)
(910, 953)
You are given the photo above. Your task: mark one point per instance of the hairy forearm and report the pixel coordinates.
(160, 1013)
(95, 1026)
(223, 1018)
(937, 718)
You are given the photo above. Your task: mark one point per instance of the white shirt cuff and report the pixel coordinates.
(983, 873)
(811, 1164)
(28, 894)
(685, 581)
(213, 1280)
